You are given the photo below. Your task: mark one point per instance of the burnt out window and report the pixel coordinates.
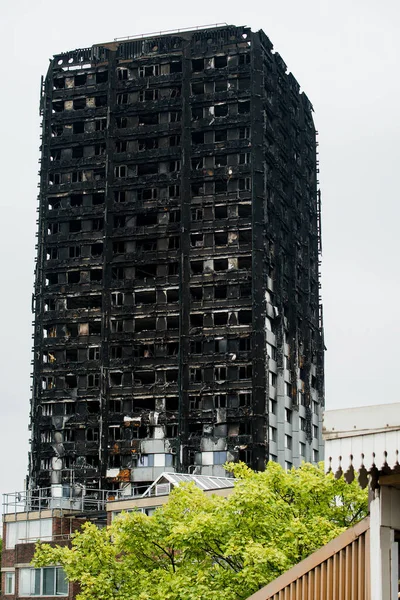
(80, 79)
(198, 137)
(149, 119)
(148, 218)
(148, 95)
(198, 88)
(221, 211)
(220, 62)
(101, 76)
(122, 98)
(122, 73)
(78, 127)
(221, 110)
(243, 107)
(221, 135)
(79, 103)
(149, 70)
(197, 65)
(175, 66)
(244, 210)
(197, 113)
(58, 105)
(100, 124)
(175, 216)
(174, 116)
(58, 83)
(120, 146)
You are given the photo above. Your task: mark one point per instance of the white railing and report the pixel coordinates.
(65, 497)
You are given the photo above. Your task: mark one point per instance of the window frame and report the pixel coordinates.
(22, 535)
(35, 585)
(9, 576)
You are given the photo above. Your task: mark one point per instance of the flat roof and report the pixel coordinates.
(362, 420)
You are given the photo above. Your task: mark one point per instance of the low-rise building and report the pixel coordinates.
(50, 515)
(53, 514)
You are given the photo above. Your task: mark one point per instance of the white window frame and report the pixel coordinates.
(32, 583)
(9, 577)
(22, 532)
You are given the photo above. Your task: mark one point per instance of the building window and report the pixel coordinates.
(302, 423)
(121, 171)
(288, 415)
(122, 73)
(145, 460)
(9, 583)
(302, 449)
(272, 434)
(22, 532)
(149, 71)
(244, 133)
(49, 581)
(219, 373)
(272, 378)
(93, 380)
(219, 458)
(94, 353)
(245, 399)
(315, 431)
(245, 372)
(45, 464)
(220, 402)
(122, 98)
(315, 456)
(288, 442)
(195, 374)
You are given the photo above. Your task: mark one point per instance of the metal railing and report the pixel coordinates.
(169, 32)
(75, 497)
(62, 537)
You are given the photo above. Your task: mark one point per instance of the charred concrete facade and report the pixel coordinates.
(177, 312)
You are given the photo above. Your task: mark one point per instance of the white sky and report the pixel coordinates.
(345, 55)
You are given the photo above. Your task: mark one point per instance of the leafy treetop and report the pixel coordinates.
(202, 546)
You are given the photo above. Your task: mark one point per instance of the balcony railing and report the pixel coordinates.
(75, 497)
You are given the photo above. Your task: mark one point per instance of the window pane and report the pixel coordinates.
(11, 534)
(22, 532)
(46, 532)
(48, 581)
(36, 573)
(33, 530)
(25, 582)
(61, 583)
(9, 583)
(219, 458)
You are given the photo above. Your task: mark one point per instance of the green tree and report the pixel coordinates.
(199, 546)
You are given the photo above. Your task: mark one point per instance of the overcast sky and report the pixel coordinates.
(345, 55)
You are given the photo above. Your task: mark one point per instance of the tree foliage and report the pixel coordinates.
(201, 546)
